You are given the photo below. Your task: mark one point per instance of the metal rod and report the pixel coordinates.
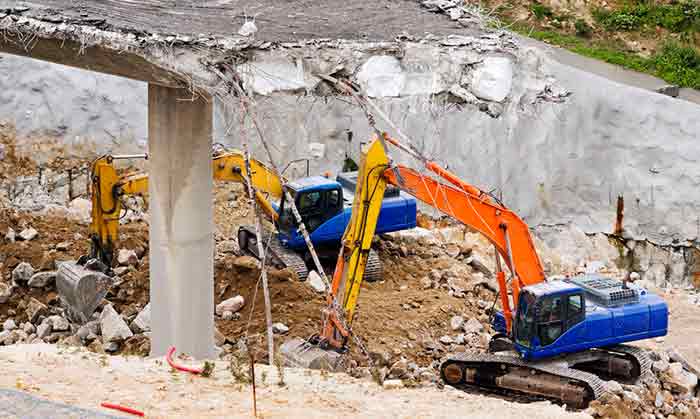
(130, 156)
(259, 240)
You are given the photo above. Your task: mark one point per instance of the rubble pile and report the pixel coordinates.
(669, 391)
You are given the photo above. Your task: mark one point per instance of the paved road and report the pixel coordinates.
(612, 72)
(16, 404)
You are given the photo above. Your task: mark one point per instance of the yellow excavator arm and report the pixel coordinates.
(356, 244)
(108, 188)
(457, 199)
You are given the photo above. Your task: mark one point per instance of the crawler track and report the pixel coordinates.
(373, 270)
(554, 379)
(281, 257)
(511, 374)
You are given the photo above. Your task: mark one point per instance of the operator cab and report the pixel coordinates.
(317, 198)
(546, 311)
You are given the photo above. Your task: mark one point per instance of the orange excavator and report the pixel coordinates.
(557, 334)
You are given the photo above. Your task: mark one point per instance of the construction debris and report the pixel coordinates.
(434, 298)
(231, 305)
(22, 273)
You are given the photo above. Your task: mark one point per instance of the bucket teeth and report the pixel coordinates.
(81, 290)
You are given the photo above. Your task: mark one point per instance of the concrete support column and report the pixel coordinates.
(181, 229)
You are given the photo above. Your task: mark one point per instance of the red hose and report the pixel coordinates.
(169, 358)
(122, 408)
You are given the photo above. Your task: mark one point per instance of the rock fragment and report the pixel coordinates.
(5, 292)
(28, 234)
(127, 257)
(669, 90)
(472, 326)
(219, 338)
(316, 282)
(392, 384)
(232, 304)
(42, 279)
(399, 369)
(114, 328)
(280, 328)
(58, 323)
(246, 262)
(456, 322)
(142, 322)
(10, 236)
(9, 325)
(43, 330)
(63, 246)
(678, 379)
(35, 308)
(22, 273)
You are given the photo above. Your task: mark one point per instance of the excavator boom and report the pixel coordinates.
(108, 187)
(82, 289)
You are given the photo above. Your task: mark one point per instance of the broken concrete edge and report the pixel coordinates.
(187, 62)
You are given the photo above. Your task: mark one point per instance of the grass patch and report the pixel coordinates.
(541, 11)
(676, 63)
(677, 16)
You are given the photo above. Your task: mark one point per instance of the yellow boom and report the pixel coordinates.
(108, 187)
(356, 244)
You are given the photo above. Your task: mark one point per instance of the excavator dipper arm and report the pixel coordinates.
(356, 245)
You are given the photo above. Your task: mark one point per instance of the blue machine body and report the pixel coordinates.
(588, 311)
(326, 206)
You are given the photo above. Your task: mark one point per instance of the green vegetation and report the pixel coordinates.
(678, 16)
(676, 63)
(583, 29)
(541, 11)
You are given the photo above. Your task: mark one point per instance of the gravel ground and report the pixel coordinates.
(148, 384)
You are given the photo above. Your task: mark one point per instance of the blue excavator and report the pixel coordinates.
(556, 338)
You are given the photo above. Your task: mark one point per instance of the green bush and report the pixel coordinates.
(541, 11)
(582, 28)
(620, 20)
(678, 16)
(678, 64)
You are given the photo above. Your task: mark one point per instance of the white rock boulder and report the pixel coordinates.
(114, 328)
(232, 304)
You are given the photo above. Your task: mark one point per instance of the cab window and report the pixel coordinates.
(525, 319)
(310, 201)
(549, 319)
(574, 310)
(333, 199)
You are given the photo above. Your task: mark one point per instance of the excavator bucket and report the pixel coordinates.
(81, 289)
(298, 353)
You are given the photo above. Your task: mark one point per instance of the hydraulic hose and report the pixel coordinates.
(169, 358)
